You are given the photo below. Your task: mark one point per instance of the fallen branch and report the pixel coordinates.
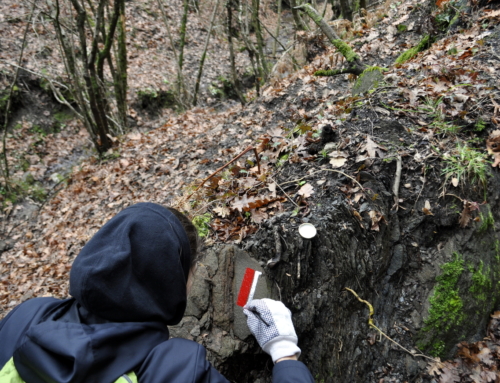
(287, 196)
(223, 167)
(355, 64)
(327, 170)
(397, 180)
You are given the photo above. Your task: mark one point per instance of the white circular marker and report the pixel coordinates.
(307, 230)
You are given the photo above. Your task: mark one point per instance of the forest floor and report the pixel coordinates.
(314, 139)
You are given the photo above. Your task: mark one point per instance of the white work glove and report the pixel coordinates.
(271, 324)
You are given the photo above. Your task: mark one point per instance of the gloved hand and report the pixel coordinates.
(271, 324)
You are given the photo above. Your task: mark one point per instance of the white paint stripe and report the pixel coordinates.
(254, 285)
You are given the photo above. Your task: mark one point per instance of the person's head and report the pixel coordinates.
(194, 243)
(136, 266)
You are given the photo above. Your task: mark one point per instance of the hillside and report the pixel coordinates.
(395, 176)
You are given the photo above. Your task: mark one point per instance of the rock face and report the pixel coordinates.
(211, 317)
(400, 269)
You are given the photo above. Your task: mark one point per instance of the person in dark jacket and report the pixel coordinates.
(127, 284)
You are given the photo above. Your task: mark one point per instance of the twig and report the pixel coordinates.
(453, 195)
(287, 196)
(397, 180)
(204, 54)
(279, 290)
(273, 261)
(420, 192)
(50, 194)
(372, 325)
(295, 63)
(223, 167)
(327, 170)
(35, 73)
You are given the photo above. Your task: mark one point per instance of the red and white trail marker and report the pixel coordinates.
(248, 285)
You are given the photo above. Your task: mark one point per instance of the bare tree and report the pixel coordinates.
(85, 56)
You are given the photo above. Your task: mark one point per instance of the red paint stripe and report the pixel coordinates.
(246, 285)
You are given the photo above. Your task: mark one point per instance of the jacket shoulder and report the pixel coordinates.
(19, 320)
(178, 361)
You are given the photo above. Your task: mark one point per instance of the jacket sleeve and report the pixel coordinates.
(178, 361)
(291, 371)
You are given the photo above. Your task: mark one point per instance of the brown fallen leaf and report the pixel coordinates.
(306, 190)
(427, 208)
(258, 215)
(222, 211)
(449, 374)
(372, 148)
(493, 146)
(465, 216)
(376, 218)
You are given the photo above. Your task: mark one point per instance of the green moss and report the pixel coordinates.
(481, 282)
(446, 304)
(402, 28)
(63, 116)
(437, 348)
(327, 72)
(346, 50)
(412, 52)
(487, 221)
(201, 222)
(368, 70)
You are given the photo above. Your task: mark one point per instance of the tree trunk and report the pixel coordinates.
(355, 65)
(300, 25)
(263, 69)
(204, 55)
(346, 9)
(234, 75)
(278, 25)
(182, 43)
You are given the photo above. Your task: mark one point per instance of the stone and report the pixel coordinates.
(242, 261)
(199, 296)
(397, 259)
(366, 81)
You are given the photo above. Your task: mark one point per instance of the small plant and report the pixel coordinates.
(201, 222)
(467, 164)
(433, 107)
(445, 128)
(480, 125)
(282, 160)
(402, 28)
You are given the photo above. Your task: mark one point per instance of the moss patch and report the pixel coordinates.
(481, 282)
(327, 72)
(346, 50)
(446, 304)
(465, 294)
(412, 52)
(487, 221)
(367, 80)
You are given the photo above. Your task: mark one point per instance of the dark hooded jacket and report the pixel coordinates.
(128, 283)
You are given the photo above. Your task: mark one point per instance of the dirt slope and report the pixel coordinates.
(327, 158)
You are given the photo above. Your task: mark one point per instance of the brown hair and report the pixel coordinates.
(192, 234)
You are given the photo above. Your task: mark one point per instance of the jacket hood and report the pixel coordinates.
(135, 268)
